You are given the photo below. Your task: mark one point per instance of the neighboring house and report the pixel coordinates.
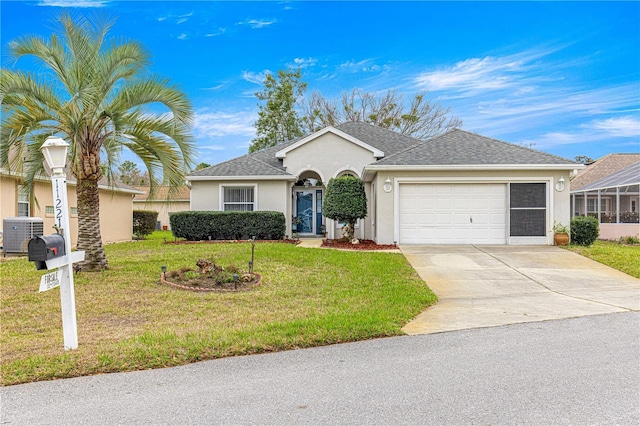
(457, 188)
(116, 206)
(162, 203)
(609, 189)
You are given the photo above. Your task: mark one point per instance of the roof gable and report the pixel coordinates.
(282, 153)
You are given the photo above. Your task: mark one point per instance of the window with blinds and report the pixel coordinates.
(528, 209)
(238, 199)
(23, 201)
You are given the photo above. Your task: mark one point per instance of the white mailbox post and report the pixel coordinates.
(55, 154)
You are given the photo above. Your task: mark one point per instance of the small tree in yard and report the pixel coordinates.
(144, 222)
(345, 201)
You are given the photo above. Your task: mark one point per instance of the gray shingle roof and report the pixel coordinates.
(247, 165)
(385, 140)
(458, 147)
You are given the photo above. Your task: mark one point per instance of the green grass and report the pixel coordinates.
(625, 258)
(128, 320)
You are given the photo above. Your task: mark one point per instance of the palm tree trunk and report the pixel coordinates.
(89, 238)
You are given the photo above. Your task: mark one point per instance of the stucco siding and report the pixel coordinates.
(328, 155)
(116, 216)
(271, 195)
(8, 197)
(205, 195)
(116, 209)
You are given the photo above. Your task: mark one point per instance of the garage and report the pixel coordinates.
(453, 213)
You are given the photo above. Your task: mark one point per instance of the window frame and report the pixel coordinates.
(223, 203)
(21, 196)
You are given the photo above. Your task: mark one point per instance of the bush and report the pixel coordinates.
(205, 225)
(144, 222)
(584, 230)
(345, 201)
(629, 240)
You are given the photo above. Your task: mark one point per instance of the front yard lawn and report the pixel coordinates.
(621, 257)
(128, 320)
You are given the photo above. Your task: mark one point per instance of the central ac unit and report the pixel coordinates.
(17, 231)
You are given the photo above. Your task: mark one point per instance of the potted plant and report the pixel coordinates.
(323, 231)
(295, 221)
(560, 234)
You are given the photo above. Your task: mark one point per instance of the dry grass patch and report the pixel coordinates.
(127, 320)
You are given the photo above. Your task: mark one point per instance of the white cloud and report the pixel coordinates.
(73, 3)
(302, 63)
(213, 147)
(522, 71)
(255, 77)
(218, 32)
(594, 132)
(216, 124)
(522, 93)
(213, 87)
(179, 19)
(365, 65)
(627, 126)
(183, 36)
(258, 23)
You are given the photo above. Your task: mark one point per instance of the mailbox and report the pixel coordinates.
(45, 247)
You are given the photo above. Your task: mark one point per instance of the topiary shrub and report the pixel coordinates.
(345, 201)
(584, 230)
(144, 222)
(205, 225)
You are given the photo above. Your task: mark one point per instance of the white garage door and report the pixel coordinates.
(451, 213)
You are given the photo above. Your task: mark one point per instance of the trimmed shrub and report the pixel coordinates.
(345, 201)
(205, 225)
(584, 230)
(144, 222)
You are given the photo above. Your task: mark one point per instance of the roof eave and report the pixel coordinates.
(370, 170)
(256, 177)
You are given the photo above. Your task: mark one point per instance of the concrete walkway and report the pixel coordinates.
(485, 286)
(310, 242)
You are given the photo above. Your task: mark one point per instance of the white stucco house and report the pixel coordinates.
(457, 188)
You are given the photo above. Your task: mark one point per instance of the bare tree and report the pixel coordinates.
(421, 118)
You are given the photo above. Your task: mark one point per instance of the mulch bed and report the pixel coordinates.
(364, 245)
(290, 241)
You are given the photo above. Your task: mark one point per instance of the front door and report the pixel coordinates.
(308, 207)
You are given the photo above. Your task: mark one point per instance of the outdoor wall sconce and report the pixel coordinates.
(560, 184)
(387, 185)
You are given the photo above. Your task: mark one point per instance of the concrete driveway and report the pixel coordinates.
(485, 286)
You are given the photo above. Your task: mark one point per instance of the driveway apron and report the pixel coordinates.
(486, 286)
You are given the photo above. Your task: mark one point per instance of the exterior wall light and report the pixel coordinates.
(560, 184)
(387, 185)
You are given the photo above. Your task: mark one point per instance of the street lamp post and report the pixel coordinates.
(55, 154)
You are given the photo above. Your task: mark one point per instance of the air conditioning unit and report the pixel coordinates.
(17, 231)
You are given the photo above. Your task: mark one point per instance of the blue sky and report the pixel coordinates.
(561, 76)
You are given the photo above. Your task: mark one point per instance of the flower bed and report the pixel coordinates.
(363, 245)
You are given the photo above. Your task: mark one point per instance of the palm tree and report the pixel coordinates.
(97, 95)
